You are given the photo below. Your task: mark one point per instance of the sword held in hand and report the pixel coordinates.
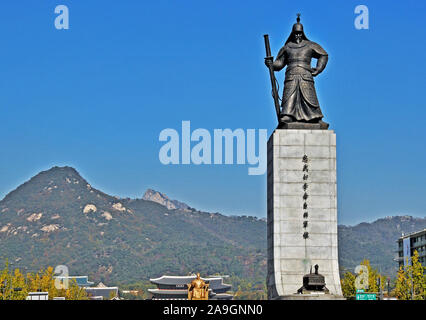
(272, 76)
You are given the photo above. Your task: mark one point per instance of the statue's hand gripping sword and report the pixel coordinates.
(272, 76)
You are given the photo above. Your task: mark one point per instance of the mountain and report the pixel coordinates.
(375, 241)
(156, 196)
(57, 218)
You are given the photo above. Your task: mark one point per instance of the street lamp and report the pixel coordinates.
(388, 286)
(379, 285)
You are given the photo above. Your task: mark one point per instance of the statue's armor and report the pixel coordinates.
(299, 98)
(198, 283)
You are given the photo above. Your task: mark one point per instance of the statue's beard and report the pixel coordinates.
(298, 39)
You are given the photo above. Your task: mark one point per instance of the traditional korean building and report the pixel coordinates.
(100, 292)
(175, 288)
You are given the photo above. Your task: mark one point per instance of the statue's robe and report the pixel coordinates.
(299, 98)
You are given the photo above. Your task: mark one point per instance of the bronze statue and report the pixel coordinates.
(299, 108)
(198, 289)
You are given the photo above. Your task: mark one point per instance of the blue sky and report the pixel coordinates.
(96, 96)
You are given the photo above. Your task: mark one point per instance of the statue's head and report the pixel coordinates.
(198, 275)
(297, 36)
(297, 33)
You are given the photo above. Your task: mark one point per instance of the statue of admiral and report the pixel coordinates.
(299, 99)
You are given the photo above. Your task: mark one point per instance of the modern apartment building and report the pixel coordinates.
(408, 243)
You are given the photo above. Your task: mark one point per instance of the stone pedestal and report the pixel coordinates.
(302, 211)
(311, 296)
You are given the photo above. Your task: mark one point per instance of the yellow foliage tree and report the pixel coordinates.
(403, 285)
(47, 282)
(5, 279)
(33, 282)
(112, 295)
(16, 286)
(411, 280)
(373, 275)
(20, 290)
(418, 278)
(348, 285)
(74, 292)
(349, 279)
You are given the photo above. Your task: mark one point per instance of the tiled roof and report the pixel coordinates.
(105, 292)
(82, 281)
(173, 292)
(173, 280)
(215, 282)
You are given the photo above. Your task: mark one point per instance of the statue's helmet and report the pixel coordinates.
(297, 27)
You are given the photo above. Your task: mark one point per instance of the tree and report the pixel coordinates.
(18, 282)
(349, 279)
(74, 292)
(47, 283)
(348, 285)
(33, 282)
(403, 285)
(418, 278)
(112, 295)
(5, 279)
(373, 275)
(411, 281)
(42, 281)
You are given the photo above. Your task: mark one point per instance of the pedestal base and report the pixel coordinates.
(302, 211)
(303, 125)
(312, 296)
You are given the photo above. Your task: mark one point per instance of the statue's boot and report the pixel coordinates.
(287, 119)
(323, 125)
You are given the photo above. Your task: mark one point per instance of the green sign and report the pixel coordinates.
(366, 296)
(360, 291)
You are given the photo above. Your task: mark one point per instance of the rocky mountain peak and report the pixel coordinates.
(161, 198)
(45, 181)
(57, 173)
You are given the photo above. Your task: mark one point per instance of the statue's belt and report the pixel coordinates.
(301, 65)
